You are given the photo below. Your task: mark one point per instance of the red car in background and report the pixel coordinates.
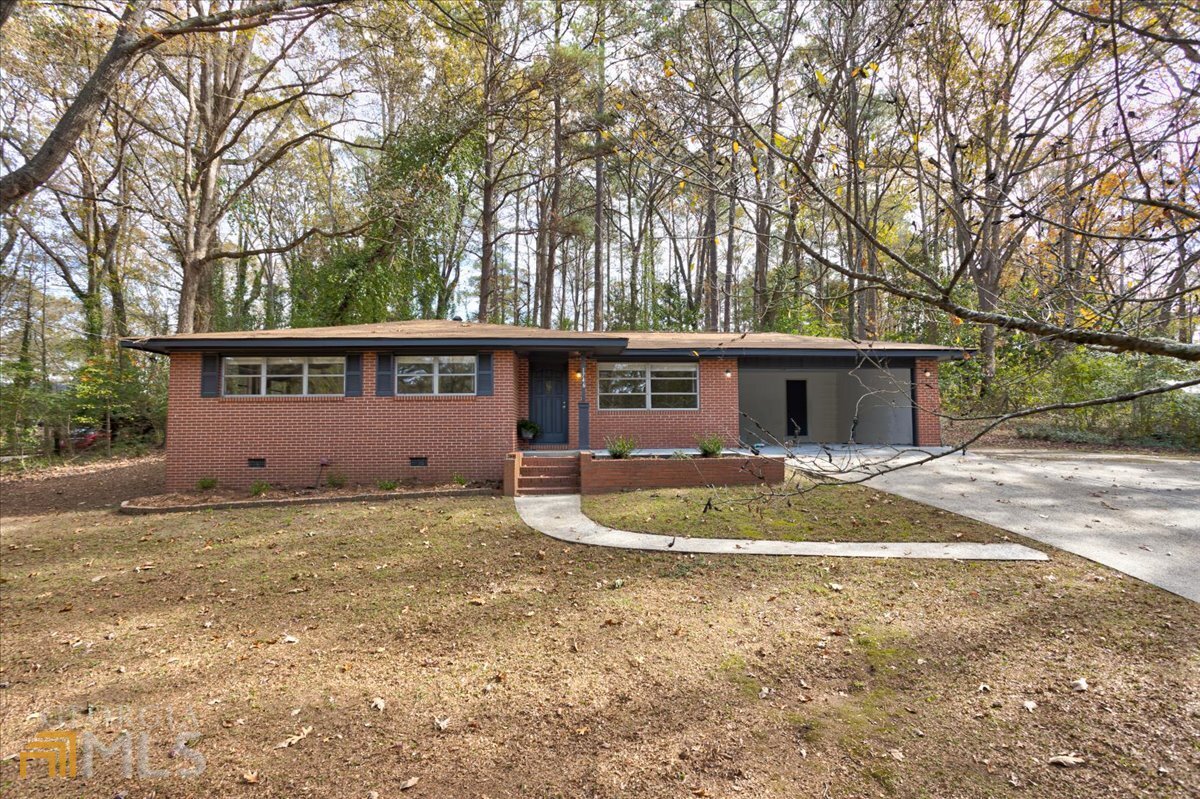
(84, 437)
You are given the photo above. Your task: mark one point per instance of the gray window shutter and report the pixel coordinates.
(385, 375)
(354, 374)
(483, 374)
(210, 375)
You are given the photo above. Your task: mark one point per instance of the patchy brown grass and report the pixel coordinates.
(575, 671)
(824, 513)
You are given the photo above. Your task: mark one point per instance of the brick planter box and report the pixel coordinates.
(609, 475)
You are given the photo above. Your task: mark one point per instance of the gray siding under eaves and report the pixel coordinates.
(881, 398)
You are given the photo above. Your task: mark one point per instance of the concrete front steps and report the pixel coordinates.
(543, 475)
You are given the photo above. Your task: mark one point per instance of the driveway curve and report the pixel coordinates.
(1138, 514)
(561, 516)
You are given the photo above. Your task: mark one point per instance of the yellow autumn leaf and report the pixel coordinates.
(604, 134)
(862, 164)
(758, 143)
(874, 67)
(821, 79)
(682, 185)
(736, 146)
(780, 140)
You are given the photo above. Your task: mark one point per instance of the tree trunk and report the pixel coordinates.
(598, 268)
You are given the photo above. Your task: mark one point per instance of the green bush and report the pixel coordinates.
(621, 446)
(711, 446)
(387, 485)
(206, 484)
(335, 480)
(459, 479)
(259, 487)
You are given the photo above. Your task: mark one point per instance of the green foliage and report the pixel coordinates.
(711, 446)
(259, 488)
(459, 480)
(206, 484)
(529, 426)
(386, 485)
(620, 446)
(335, 480)
(1030, 375)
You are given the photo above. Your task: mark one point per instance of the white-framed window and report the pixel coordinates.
(285, 375)
(435, 374)
(649, 386)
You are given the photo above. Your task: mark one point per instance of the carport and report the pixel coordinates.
(786, 400)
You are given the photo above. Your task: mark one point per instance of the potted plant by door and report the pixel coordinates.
(528, 429)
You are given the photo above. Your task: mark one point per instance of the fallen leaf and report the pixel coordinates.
(441, 724)
(1067, 761)
(290, 639)
(1029, 705)
(250, 778)
(295, 739)
(1080, 685)
(378, 703)
(411, 782)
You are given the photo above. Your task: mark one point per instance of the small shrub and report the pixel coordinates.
(206, 484)
(711, 446)
(259, 487)
(459, 479)
(387, 485)
(621, 446)
(680, 455)
(335, 480)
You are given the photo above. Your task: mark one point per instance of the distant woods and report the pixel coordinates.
(1015, 176)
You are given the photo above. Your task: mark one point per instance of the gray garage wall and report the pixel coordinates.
(881, 398)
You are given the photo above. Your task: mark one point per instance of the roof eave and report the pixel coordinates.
(168, 345)
(805, 352)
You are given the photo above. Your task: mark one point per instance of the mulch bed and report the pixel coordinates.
(182, 503)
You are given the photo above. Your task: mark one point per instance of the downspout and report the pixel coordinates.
(912, 390)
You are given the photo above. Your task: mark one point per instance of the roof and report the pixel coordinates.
(445, 334)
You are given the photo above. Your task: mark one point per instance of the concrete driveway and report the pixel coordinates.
(1138, 514)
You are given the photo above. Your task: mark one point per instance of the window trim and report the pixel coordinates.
(263, 376)
(436, 376)
(647, 368)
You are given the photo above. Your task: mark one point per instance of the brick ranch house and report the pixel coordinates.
(431, 401)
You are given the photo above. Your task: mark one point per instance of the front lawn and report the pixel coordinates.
(563, 671)
(793, 512)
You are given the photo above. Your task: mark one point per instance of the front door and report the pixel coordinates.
(548, 401)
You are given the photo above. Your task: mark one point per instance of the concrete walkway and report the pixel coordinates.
(562, 517)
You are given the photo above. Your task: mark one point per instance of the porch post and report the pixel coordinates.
(585, 440)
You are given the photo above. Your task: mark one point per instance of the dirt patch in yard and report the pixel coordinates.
(510, 665)
(82, 486)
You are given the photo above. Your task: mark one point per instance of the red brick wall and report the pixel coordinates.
(717, 414)
(928, 432)
(607, 475)
(365, 438)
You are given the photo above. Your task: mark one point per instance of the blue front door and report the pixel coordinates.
(548, 402)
